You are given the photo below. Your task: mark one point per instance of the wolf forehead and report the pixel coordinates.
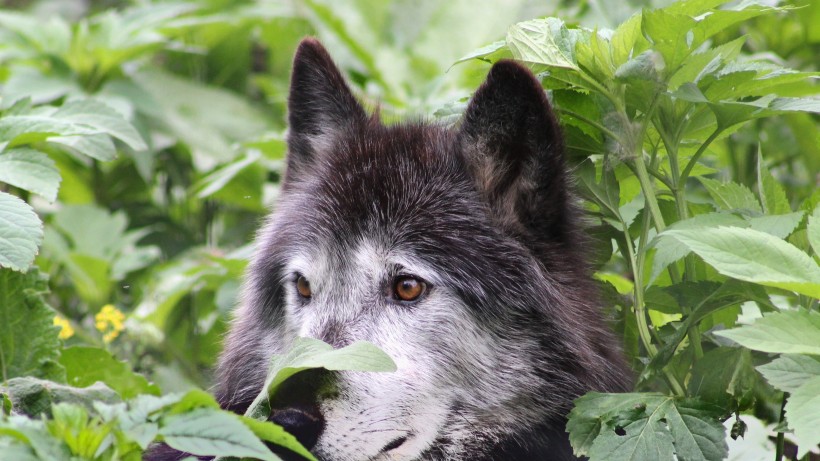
(395, 183)
(405, 189)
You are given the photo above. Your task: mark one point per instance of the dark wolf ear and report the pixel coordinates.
(320, 104)
(514, 146)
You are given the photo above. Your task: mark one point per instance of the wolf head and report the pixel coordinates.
(455, 250)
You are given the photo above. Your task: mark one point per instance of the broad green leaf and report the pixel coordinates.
(790, 371)
(308, 353)
(28, 338)
(544, 41)
(86, 365)
(645, 426)
(97, 146)
(730, 195)
(31, 170)
(275, 434)
(803, 415)
(103, 119)
(724, 377)
(211, 432)
(780, 226)
(771, 193)
(668, 249)
(625, 40)
(754, 256)
(813, 230)
(786, 332)
(669, 33)
(33, 396)
(21, 232)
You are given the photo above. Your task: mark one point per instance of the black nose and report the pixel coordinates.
(303, 421)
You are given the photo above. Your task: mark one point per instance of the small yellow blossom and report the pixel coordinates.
(110, 322)
(66, 331)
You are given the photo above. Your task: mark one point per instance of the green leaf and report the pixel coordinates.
(730, 195)
(21, 232)
(724, 377)
(103, 119)
(780, 226)
(308, 353)
(29, 345)
(803, 415)
(754, 256)
(668, 249)
(790, 371)
(669, 33)
(86, 365)
(31, 170)
(813, 230)
(275, 434)
(544, 41)
(786, 332)
(772, 195)
(646, 426)
(33, 396)
(212, 432)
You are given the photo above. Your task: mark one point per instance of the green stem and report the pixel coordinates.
(606, 131)
(694, 160)
(649, 192)
(781, 439)
(679, 192)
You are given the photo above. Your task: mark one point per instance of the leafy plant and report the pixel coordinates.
(654, 96)
(141, 145)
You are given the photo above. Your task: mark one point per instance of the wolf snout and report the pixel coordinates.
(304, 422)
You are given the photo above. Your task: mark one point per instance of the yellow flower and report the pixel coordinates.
(110, 322)
(65, 327)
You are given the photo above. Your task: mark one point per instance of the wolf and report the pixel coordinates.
(458, 250)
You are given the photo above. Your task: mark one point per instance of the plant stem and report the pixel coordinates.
(779, 448)
(681, 205)
(694, 160)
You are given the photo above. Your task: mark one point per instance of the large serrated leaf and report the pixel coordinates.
(730, 195)
(544, 41)
(101, 117)
(787, 332)
(35, 397)
(790, 371)
(211, 432)
(86, 365)
(754, 256)
(21, 232)
(803, 415)
(813, 230)
(28, 338)
(646, 426)
(31, 170)
(668, 249)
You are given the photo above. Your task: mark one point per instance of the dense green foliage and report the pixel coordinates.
(141, 145)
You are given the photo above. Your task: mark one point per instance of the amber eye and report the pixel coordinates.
(408, 288)
(303, 286)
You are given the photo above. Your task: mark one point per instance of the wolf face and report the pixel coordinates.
(455, 250)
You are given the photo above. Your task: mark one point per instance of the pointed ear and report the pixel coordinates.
(320, 104)
(515, 149)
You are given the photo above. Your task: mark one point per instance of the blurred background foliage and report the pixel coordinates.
(163, 233)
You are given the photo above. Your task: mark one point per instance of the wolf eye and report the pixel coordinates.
(407, 288)
(303, 286)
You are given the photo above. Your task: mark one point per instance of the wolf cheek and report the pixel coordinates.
(507, 331)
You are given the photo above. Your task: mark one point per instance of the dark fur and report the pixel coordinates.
(488, 204)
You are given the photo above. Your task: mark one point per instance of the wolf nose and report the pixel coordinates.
(303, 422)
